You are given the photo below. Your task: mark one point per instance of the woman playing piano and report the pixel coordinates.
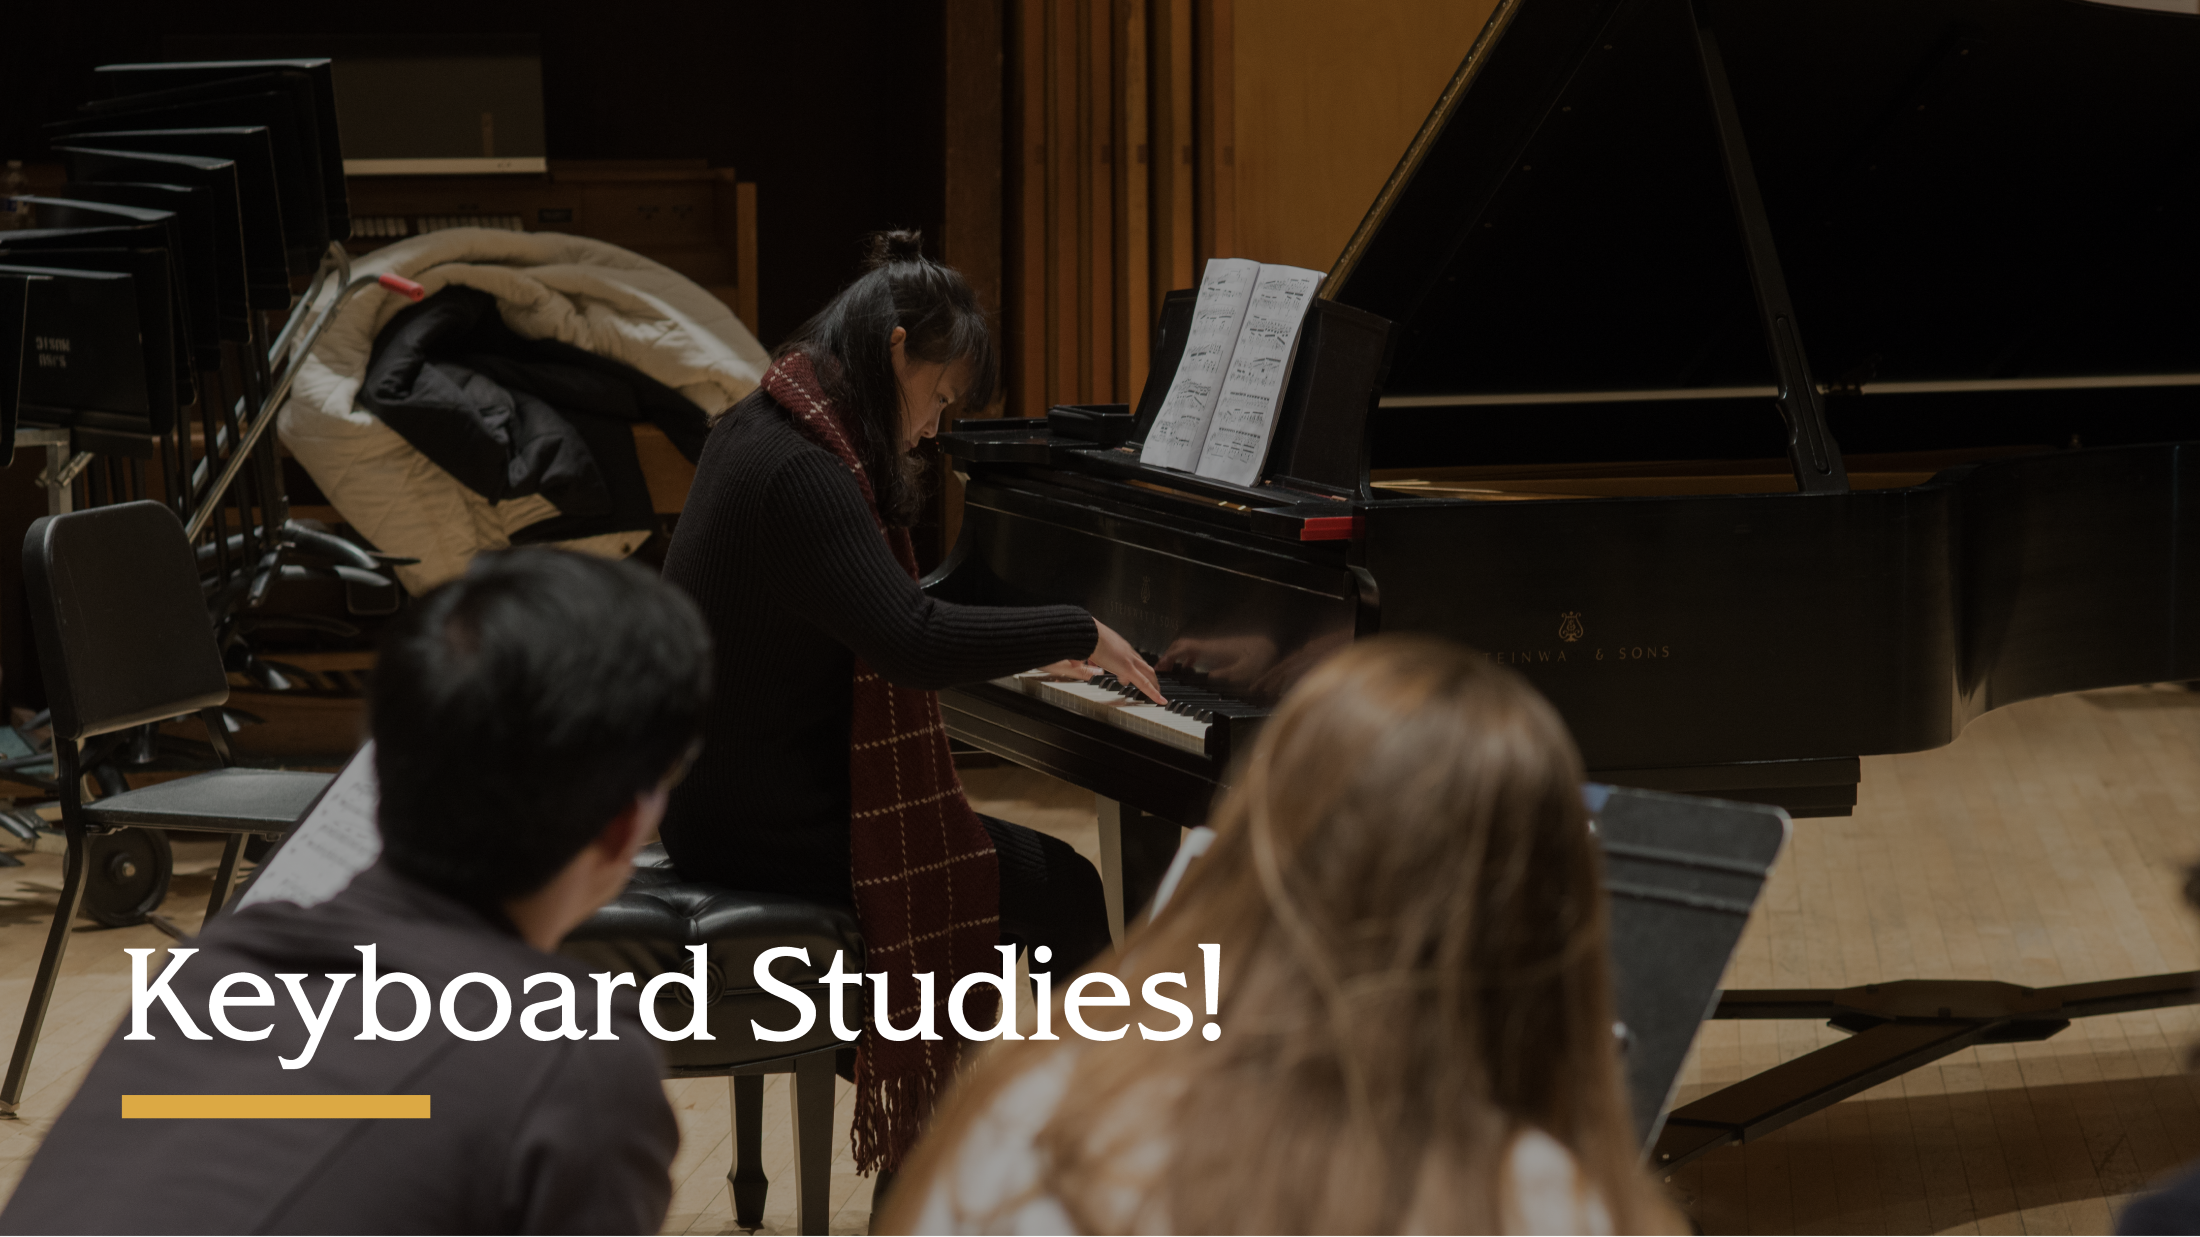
(825, 771)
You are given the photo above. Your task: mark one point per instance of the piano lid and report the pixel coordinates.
(1960, 193)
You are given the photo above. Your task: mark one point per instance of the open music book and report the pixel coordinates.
(1221, 402)
(336, 841)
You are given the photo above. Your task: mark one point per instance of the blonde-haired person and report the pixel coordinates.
(1416, 1012)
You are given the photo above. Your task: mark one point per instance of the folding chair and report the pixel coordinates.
(124, 639)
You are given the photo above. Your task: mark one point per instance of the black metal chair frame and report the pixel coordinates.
(170, 668)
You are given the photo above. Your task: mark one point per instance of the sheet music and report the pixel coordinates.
(1252, 385)
(336, 841)
(1180, 430)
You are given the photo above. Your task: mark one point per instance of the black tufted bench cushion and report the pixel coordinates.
(647, 930)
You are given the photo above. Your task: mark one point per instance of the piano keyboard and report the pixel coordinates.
(391, 227)
(1193, 708)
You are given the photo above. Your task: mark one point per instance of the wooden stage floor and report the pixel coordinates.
(2047, 845)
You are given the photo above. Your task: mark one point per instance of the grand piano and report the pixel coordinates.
(1772, 382)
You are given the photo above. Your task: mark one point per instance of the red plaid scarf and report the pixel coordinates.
(927, 884)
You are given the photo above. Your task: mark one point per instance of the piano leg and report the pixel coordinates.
(1135, 850)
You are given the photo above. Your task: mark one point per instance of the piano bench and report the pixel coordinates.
(647, 930)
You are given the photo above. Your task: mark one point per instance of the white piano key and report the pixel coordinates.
(1140, 718)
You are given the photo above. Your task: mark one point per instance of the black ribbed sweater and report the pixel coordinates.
(778, 547)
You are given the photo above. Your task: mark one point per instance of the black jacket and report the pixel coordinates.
(510, 417)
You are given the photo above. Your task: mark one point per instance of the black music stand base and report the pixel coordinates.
(1897, 1027)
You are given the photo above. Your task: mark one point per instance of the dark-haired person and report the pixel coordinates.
(529, 719)
(825, 770)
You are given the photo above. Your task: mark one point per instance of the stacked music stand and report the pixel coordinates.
(152, 319)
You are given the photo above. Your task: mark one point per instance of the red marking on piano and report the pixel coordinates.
(1331, 528)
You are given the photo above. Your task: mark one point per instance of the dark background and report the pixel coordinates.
(833, 109)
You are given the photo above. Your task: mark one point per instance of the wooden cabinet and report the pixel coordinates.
(696, 219)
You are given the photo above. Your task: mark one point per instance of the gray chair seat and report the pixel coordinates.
(224, 800)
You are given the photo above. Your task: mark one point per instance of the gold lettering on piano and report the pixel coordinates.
(1528, 657)
(1542, 657)
(1569, 626)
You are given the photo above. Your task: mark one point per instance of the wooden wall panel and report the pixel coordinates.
(1105, 159)
(1175, 263)
(1096, 239)
(1024, 315)
(977, 102)
(1214, 53)
(1065, 300)
(1327, 95)
(974, 145)
(1151, 135)
(1132, 202)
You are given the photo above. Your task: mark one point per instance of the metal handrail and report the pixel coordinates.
(336, 262)
(249, 437)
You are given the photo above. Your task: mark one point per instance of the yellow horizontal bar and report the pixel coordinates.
(283, 1107)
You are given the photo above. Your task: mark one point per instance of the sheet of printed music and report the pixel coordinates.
(336, 841)
(1222, 400)
(1180, 430)
(1252, 384)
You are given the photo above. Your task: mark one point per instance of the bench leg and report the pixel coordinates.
(49, 969)
(813, 1140)
(225, 877)
(750, 1185)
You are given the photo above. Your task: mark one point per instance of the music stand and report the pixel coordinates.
(191, 247)
(130, 79)
(14, 350)
(82, 354)
(1683, 874)
(259, 203)
(100, 249)
(216, 179)
(272, 102)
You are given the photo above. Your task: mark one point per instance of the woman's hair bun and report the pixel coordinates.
(899, 245)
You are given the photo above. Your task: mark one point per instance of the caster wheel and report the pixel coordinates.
(129, 876)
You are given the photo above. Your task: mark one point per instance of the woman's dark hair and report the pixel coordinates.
(519, 708)
(849, 343)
